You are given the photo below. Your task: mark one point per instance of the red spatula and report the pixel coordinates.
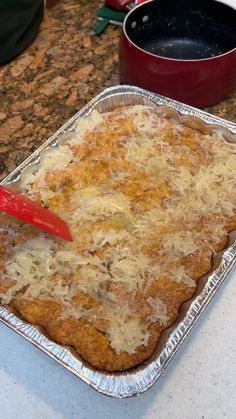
(31, 212)
(123, 5)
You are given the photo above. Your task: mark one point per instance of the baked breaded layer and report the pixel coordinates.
(148, 201)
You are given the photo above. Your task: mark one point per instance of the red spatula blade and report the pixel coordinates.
(118, 4)
(123, 5)
(31, 212)
(137, 2)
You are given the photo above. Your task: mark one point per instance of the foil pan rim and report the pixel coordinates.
(132, 382)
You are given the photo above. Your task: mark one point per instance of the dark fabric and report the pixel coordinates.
(19, 24)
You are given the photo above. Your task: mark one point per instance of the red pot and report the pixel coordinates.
(185, 50)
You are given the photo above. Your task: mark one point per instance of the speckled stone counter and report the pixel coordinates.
(62, 70)
(65, 67)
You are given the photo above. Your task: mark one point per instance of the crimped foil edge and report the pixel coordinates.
(135, 381)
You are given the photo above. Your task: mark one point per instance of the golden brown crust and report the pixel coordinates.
(146, 189)
(91, 344)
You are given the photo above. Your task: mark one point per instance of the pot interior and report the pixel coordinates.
(183, 29)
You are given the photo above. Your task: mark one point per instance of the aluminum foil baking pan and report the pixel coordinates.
(138, 380)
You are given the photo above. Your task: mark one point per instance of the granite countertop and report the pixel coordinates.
(61, 71)
(65, 67)
(58, 74)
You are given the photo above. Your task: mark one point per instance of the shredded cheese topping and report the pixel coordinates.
(141, 194)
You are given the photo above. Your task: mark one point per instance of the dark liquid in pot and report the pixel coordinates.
(183, 29)
(181, 48)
